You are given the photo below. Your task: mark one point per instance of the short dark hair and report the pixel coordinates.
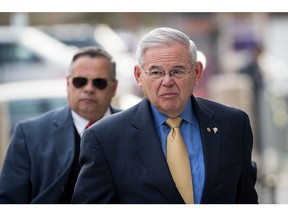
(94, 52)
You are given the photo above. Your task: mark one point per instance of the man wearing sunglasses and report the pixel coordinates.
(41, 164)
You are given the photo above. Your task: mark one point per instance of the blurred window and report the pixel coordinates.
(16, 53)
(23, 109)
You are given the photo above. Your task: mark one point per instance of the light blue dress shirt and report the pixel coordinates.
(191, 134)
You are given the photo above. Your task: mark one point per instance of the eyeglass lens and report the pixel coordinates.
(99, 83)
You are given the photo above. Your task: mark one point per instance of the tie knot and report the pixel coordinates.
(174, 122)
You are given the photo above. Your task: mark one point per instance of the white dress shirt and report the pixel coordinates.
(80, 122)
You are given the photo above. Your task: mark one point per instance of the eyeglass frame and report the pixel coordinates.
(170, 73)
(94, 81)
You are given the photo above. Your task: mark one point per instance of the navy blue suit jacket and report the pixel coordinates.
(39, 158)
(123, 162)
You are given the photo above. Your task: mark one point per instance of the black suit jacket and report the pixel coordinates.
(39, 159)
(123, 162)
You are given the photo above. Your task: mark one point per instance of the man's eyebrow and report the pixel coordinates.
(179, 66)
(154, 67)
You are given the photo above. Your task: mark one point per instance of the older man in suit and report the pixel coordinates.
(42, 161)
(128, 157)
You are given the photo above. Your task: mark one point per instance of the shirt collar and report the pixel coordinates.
(188, 115)
(80, 122)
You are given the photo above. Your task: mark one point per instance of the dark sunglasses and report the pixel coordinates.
(99, 83)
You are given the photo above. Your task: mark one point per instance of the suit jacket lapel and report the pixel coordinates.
(210, 130)
(62, 139)
(63, 134)
(151, 153)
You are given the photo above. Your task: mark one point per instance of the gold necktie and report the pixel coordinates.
(178, 161)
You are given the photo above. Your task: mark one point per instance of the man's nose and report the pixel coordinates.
(167, 79)
(89, 86)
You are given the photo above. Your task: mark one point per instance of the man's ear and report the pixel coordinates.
(137, 75)
(198, 71)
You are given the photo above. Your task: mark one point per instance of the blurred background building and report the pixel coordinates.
(245, 57)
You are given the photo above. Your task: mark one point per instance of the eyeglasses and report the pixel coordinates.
(99, 83)
(176, 73)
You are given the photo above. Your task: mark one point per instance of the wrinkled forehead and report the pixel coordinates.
(175, 54)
